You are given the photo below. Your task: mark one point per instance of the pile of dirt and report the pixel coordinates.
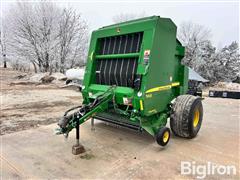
(59, 76)
(21, 76)
(36, 77)
(47, 79)
(55, 76)
(39, 78)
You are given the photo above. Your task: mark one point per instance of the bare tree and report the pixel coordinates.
(3, 47)
(122, 17)
(73, 38)
(202, 56)
(228, 59)
(47, 36)
(30, 33)
(206, 61)
(192, 36)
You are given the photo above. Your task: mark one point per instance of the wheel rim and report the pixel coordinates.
(165, 136)
(196, 118)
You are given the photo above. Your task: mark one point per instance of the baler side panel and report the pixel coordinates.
(143, 69)
(162, 68)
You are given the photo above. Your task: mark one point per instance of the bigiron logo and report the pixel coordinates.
(200, 171)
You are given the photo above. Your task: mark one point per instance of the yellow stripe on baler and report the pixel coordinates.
(141, 105)
(175, 84)
(162, 88)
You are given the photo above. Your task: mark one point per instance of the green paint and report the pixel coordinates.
(164, 68)
(110, 56)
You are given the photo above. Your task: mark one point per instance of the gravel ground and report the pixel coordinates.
(28, 106)
(112, 153)
(117, 153)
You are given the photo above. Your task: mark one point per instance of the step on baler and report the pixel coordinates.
(134, 78)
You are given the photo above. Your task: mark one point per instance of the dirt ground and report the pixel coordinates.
(112, 153)
(28, 106)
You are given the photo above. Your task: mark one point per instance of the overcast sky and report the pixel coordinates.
(221, 17)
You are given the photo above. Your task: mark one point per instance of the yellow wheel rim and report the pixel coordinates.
(196, 118)
(165, 136)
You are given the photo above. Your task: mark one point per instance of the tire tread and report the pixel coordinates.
(179, 118)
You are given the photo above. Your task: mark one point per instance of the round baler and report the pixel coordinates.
(134, 78)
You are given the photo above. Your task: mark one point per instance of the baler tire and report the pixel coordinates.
(163, 136)
(186, 116)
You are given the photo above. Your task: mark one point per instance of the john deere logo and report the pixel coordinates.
(118, 30)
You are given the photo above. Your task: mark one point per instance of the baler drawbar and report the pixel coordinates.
(134, 78)
(83, 113)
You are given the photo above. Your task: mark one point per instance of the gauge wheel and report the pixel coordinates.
(163, 136)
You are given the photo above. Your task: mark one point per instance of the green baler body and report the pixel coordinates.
(158, 67)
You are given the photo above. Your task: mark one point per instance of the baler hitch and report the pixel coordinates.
(82, 114)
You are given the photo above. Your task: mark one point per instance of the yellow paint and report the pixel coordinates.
(141, 105)
(196, 118)
(152, 111)
(175, 84)
(91, 56)
(165, 136)
(148, 95)
(162, 88)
